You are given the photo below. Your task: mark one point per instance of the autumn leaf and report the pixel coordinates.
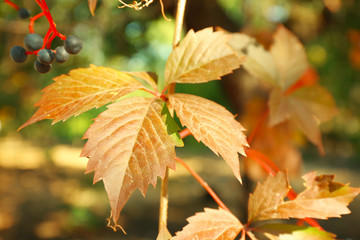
(292, 96)
(201, 57)
(306, 107)
(291, 232)
(129, 147)
(289, 56)
(81, 90)
(323, 198)
(261, 65)
(146, 78)
(92, 6)
(267, 197)
(213, 224)
(213, 125)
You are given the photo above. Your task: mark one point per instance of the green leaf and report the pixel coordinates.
(292, 232)
(172, 127)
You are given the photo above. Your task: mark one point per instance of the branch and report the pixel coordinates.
(204, 184)
(180, 12)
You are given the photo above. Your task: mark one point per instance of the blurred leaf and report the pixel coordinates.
(261, 65)
(291, 232)
(289, 56)
(306, 107)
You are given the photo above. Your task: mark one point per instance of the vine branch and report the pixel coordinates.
(180, 12)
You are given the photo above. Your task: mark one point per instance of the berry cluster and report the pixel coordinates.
(45, 56)
(41, 47)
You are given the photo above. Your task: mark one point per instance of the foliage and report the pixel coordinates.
(133, 141)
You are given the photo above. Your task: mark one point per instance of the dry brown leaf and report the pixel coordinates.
(213, 125)
(321, 199)
(128, 147)
(81, 90)
(213, 224)
(201, 57)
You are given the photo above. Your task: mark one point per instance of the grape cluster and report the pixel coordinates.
(34, 43)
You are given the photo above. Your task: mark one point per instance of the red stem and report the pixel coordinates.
(263, 161)
(184, 133)
(32, 21)
(258, 125)
(204, 184)
(43, 5)
(11, 4)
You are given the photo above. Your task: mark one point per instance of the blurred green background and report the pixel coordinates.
(43, 192)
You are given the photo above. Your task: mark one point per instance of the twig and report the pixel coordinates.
(204, 184)
(180, 12)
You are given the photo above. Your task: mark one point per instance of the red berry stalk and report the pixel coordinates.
(11, 4)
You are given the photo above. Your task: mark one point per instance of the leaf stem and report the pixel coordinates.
(164, 201)
(204, 184)
(11, 4)
(180, 12)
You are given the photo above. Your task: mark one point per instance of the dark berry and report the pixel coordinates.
(42, 68)
(18, 54)
(45, 56)
(23, 13)
(33, 41)
(61, 54)
(73, 45)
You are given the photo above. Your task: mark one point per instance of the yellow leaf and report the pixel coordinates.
(201, 57)
(289, 56)
(81, 90)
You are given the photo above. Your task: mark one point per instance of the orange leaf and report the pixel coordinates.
(306, 107)
(321, 199)
(267, 197)
(213, 125)
(201, 57)
(92, 6)
(81, 90)
(128, 147)
(213, 224)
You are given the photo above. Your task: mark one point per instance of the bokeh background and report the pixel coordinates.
(44, 193)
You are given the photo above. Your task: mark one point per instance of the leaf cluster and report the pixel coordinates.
(132, 143)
